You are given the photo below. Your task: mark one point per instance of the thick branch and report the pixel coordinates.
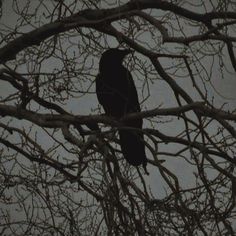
(55, 120)
(93, 18)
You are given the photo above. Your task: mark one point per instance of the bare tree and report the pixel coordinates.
(60, 176)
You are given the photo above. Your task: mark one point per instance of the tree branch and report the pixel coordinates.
(93, 18)
(56, 120)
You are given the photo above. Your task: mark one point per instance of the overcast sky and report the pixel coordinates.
(160, 94)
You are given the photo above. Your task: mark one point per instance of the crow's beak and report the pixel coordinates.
(128, 51)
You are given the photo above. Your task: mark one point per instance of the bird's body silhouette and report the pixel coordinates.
(117, 93)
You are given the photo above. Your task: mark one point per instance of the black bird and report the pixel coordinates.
(117, 93)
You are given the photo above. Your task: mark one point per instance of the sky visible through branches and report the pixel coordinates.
(59, 176)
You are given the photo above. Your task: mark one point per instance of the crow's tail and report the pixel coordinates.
(132, 147)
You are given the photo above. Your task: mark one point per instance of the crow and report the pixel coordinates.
(117, 93)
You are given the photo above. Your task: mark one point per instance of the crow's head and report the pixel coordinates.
(113, 57)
